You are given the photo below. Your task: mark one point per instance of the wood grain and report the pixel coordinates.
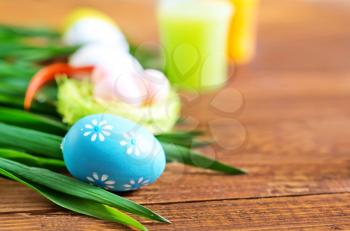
(285, 118)
(317, 212)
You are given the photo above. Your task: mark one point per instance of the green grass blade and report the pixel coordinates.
(13, 86)
(11, 101)
(185, 139)
(79, 205)
(44, 54)
(21, 70)
(17, 102)
(31, 160)
(198, 144)
(17, 31)
(34, 53)
(30, 140)
(181, 134)
(184, 155)
(29, 120)
(77, 188)
(184, 142)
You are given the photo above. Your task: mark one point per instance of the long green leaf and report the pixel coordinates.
(29, 120)
(186, 156)
(79, 205)
(20, 70)
(17, 102)
(30, 140)
(77, 188)
(185, 142)
(181, 134)
(185, 139)
(34, 53)
(13, 86)
(31, 160)
(18, 31)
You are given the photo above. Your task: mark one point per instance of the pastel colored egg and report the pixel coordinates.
(86, 26)
(138, 87)
(157, 85)
(112, 153)
(128, 87)
(106, 57)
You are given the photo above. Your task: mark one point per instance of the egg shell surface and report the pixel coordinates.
(112, 153)
(86, 26)
(101, 55)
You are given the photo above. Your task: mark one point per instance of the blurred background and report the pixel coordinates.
(282, 27)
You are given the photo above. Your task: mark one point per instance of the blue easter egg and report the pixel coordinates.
(112, 153)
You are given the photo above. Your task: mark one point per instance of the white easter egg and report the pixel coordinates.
(108, 58)
(86, 26)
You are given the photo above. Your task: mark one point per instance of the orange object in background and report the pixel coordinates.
(242, 37)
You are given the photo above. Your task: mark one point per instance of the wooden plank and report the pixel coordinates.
(301, 35)
(177, 186)
(54, 221)
(290, 85)
(269, 98)
(316, 212)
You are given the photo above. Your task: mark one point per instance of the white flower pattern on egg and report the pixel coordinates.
(102, 181)
(132, 143)
(97, 130)
(135, 184)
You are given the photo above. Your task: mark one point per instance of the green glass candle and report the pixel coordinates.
(194, 39)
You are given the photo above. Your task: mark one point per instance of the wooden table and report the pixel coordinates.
(289, 126)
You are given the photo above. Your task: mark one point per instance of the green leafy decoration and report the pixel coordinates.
(30, 120)
(20, 70)
(31, 160)
(77, 188)
(10, 31)
(184, 155)
(13, 86)
(34, 53)
(8, 100)
(30, 140)
(77, 204)
(185, 139)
